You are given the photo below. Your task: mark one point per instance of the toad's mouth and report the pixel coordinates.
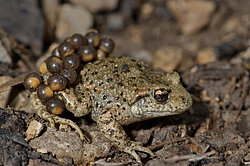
(165, 113)
(143, 112)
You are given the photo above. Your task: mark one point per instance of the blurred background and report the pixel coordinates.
(206, 41)
(169, 34)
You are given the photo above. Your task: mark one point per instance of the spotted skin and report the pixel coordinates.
(121, 91)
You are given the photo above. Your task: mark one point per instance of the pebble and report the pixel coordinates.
(147, 10)
(34, 129)
(4, 95)
(155, 162)
(247, 157)
(167, 58)
(206, 55)
(59, 144)
(115, 22)
(4, 56)
(51, 10)
(97, 5)
(142, 55)
(73, 19)
(191, 15)
(21, 101)
(23, 19)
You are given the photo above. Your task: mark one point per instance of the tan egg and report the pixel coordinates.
(70, 74)
(93, 37)
(44, 92)
(55, 106)
(107, 45)
(57, 82)
(54, 64)
(100, 55)
(87, 53)
(32, 81)
(43, 68)
(65, 49)
(71, 61)
(78, 40)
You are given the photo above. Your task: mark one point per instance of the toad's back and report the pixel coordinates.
(119, 79)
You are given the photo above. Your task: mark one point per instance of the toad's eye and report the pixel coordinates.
(161, 95)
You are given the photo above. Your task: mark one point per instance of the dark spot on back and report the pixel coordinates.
(109, 80)
(79, 100)
(125, 67)
(120, 84)
(139, 65)
(104, 97)
(133, 78)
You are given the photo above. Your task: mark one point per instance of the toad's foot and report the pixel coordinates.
(135, 146)
(115, 133)
(41, 111)
(73, 125)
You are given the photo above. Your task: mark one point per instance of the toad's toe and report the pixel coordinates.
(135, 146)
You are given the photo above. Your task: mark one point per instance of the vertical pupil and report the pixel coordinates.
(161, 95)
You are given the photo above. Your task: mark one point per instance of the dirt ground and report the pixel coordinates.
(211, 52)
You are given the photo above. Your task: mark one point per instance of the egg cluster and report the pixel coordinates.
(61, 69)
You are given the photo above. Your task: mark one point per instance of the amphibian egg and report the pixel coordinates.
(93, 37)
(65, 49)
(43, 68)
(44, 92)
(107, 45)
(55, 106)
(71, 61)
(57, 82)
(32, 81)
(70, 74)
(87, 53)
(54, 65)
(100, 55)
(77, 40)
(55, 52)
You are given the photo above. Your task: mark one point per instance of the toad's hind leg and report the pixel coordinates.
(115, 133)
(73, 125)
(41, 111)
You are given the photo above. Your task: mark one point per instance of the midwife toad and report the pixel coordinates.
(120, 91)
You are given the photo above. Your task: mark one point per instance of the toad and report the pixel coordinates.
(119, 91)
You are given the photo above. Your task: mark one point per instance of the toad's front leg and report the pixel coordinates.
(115, 133)
(43, 113)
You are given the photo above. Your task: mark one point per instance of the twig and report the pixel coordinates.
(190, 158)
(104, 163)
(166, 142)
(243, 95)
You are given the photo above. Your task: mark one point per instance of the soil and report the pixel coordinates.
(215, 131)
